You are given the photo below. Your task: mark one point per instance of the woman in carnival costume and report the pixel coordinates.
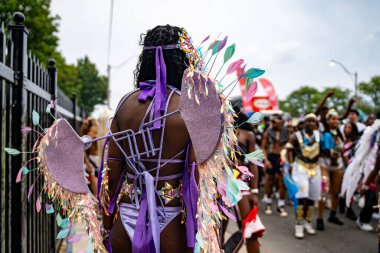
(248, 172)
(306, 173)
(332, 165)
(363, 174)
(166, 179)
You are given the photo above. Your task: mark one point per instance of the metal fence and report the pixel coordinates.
(26, 85)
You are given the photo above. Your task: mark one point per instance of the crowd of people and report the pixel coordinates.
(315, 150)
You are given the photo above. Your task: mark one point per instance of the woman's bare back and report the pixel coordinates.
(176, 139)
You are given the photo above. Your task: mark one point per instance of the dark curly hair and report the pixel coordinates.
(175, 59)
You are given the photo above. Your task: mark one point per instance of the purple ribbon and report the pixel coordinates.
(157, 89)
(190, 198)
(146, 238)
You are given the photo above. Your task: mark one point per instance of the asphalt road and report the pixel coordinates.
(279, 236)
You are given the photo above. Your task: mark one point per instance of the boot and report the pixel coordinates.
(334, 219)
(350, 214)
(342, 205)
(320, 225)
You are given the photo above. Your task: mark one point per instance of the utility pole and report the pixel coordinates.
(109, 54)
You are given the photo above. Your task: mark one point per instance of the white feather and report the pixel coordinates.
(362, 163)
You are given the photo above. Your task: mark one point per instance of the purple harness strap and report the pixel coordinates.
(190, 198)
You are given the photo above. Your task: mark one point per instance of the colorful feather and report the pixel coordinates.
(256, 118)
(252, 89)
(230, 51)
(234, 66)
(253, 73)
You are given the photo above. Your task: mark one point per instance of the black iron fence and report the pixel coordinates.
(26, 85)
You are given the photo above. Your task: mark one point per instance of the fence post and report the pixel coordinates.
(52, 71)
(18, 35)
(74, 101)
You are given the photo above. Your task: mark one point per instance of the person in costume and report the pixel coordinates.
(274, 140)
(366, 191)
(306, 173)
(332, 165)
(91, 159)
(322, 110)
(174, 130)
(168, 162)
(247, 143)
(165, 160)
(351, 136)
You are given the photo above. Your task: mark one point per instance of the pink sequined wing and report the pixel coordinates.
(64, 154)
(200, 107)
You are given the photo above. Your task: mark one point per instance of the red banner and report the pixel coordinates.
(266, 100)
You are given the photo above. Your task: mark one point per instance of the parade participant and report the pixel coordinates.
(370, 120)
(159, 145)
(274, 140)
(353, 118)
(246, 141)
(174, 136)
(351, 136)
(91, 159)
(331, 164)
(365, 216)
(322, 110)
(306, 173)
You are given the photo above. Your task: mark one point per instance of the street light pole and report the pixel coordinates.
(356, 84)
(351, 74)
(109, 53)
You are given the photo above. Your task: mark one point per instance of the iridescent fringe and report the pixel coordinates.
(214, 177)
(76, 207)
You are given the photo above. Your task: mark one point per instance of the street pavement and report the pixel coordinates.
(279, 236)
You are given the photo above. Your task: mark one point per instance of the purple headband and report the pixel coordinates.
(156, 90)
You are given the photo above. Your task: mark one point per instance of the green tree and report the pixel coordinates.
(83, 79)
(43, 26)
(301, 101)
(371, 89)
(94, 86)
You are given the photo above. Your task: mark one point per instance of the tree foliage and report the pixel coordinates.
(306, 98)
(43, 43)
(371, 89)
(94, 86)
(301, 101)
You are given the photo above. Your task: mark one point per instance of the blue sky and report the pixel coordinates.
(292, 40)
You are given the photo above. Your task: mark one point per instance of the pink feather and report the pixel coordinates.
(245, 171)
(19, 174)
(26, 130)
(35, 145)
(30, 191)
(251, 91)
(38, 204)
(234, 66)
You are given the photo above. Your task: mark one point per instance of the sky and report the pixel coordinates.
(292, 40)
